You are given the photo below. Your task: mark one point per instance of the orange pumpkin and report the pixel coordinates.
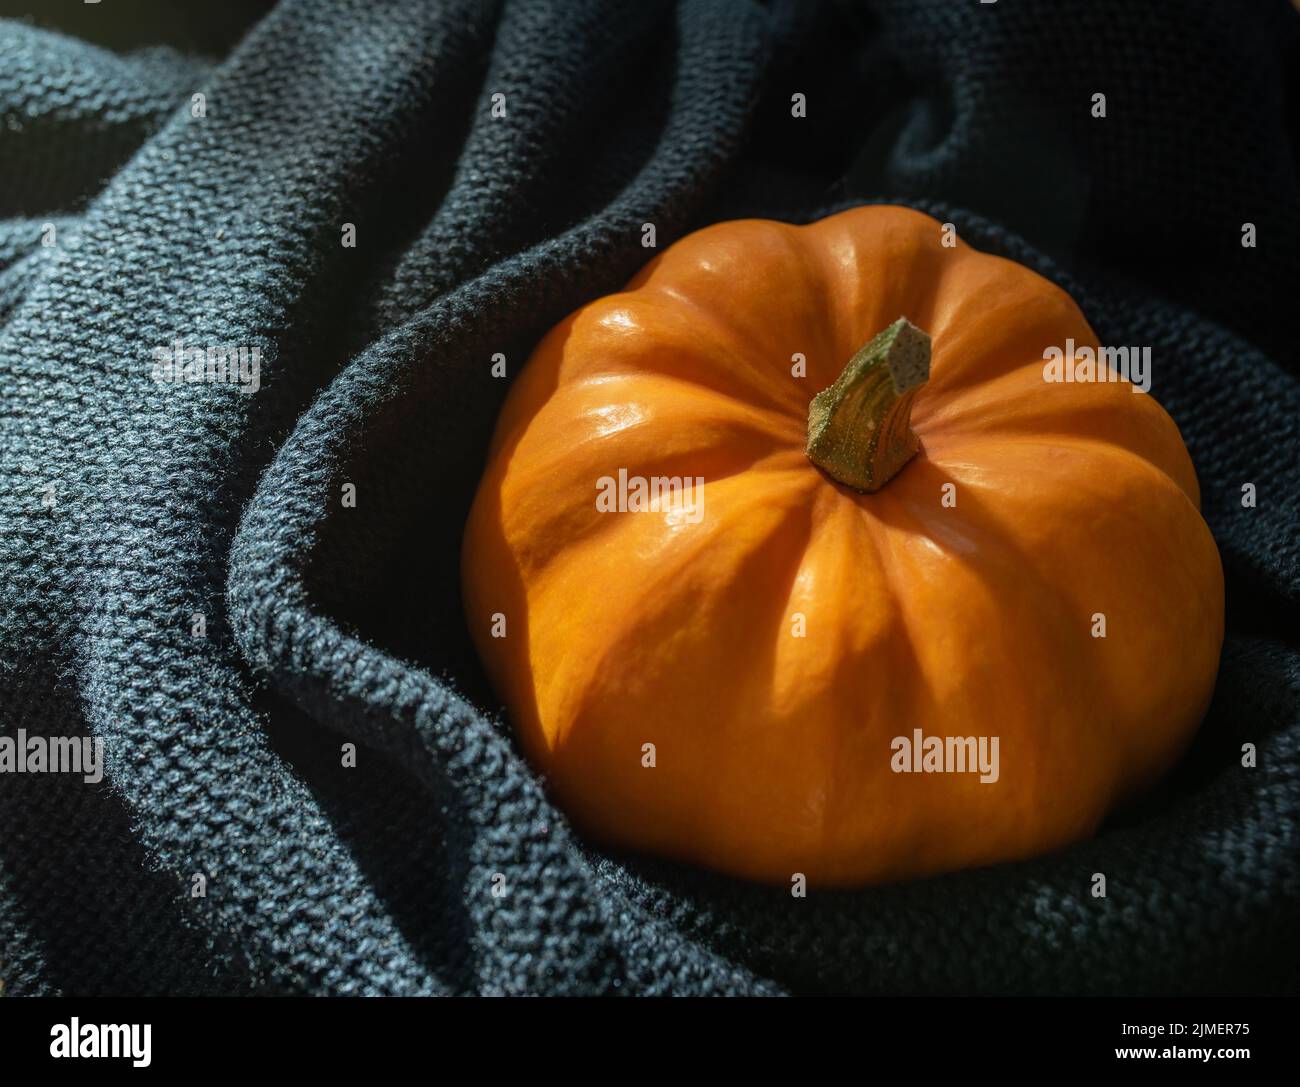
(751, 674)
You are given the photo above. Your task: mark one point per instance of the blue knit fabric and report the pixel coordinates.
(129, 507)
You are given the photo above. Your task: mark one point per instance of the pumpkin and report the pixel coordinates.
(892, 546)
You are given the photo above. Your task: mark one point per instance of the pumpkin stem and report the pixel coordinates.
(859, 428)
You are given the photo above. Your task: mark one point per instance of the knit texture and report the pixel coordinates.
(128, 507)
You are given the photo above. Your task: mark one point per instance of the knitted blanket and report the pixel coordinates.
(351, 209)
